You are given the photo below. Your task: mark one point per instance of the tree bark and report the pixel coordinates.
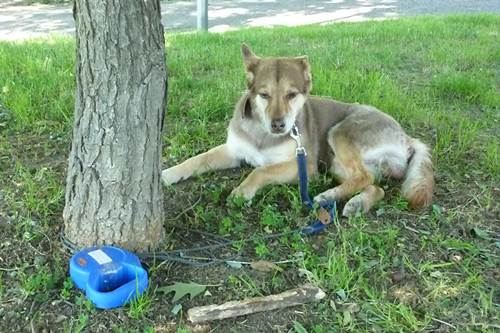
(113, 190)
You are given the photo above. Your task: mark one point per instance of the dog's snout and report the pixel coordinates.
(278, 125)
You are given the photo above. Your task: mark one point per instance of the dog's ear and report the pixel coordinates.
(246, 106)
(250, 60)
(304, 62)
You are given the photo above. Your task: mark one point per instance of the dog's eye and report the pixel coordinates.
(264, 95)
(291, 95)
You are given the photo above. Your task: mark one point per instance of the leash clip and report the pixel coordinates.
(294, 133)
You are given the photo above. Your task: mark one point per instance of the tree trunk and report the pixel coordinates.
(113, 190)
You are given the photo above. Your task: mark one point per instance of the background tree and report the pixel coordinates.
(113, 190)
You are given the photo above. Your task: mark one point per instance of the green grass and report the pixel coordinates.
(393, 270)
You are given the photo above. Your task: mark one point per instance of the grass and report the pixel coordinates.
(392, 270)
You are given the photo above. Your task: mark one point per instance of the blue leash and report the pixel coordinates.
(326, 208)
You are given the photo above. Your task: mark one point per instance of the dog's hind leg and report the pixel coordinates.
(217, 158)
(353, 173)
(363, 201)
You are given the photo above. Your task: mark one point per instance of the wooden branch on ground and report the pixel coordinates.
(302, 295)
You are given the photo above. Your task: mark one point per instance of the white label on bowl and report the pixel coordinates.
(100, 256)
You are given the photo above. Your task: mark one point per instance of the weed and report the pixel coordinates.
(67, 287)
(39, 283)
(84, 304)
(77, 325)
(183, 330)
(140, 305)
(261, 249)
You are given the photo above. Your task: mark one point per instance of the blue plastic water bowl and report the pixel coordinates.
(110, 276)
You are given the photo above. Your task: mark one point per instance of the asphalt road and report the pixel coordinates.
(19, 22)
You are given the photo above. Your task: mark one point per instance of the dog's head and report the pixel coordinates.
(278, 88)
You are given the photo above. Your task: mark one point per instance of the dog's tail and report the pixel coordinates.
(419, 181)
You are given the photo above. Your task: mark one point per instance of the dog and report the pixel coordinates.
(357, 143)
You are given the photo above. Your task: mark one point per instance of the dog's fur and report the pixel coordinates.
(357, 143)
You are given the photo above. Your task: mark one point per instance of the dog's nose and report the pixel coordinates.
(277, 125)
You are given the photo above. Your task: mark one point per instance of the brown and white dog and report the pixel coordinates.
(358, 143)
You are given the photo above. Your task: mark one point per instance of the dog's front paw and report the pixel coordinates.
(329, 195)
(244, 192)
(171, 175)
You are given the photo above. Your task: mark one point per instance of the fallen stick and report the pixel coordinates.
(302, 295)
